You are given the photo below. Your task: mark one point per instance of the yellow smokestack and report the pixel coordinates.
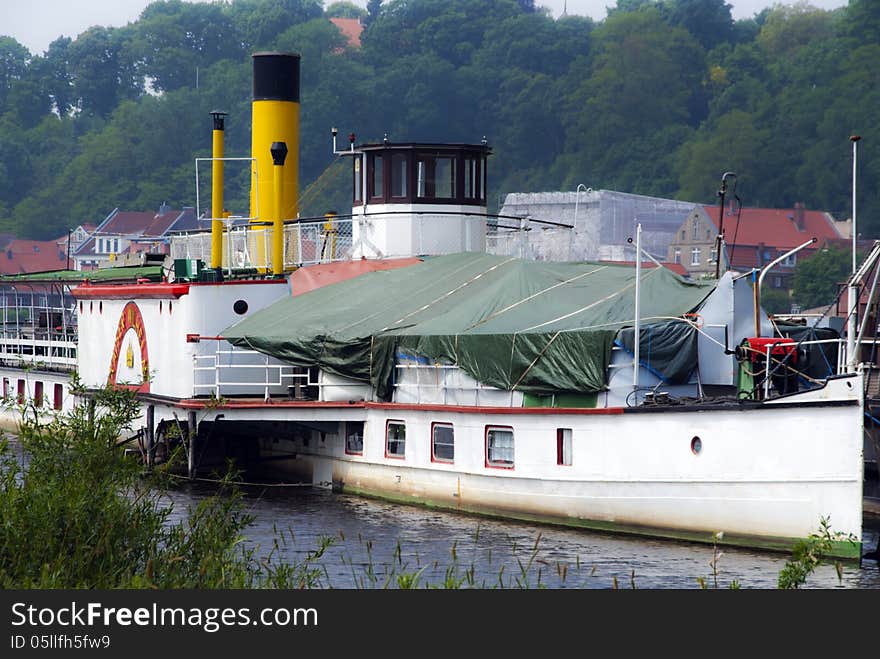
(217, 191)
(275, 119)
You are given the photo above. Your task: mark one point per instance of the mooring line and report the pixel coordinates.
(220, 481)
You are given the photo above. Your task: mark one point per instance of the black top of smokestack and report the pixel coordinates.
(276, 77)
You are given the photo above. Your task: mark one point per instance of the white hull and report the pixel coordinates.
(764, 477)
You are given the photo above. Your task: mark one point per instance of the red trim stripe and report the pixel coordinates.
(130, 291)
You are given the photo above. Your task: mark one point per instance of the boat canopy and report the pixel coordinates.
(531, 326)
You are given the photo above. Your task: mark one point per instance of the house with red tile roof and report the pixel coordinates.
(131, 232)
(754, 237)
(20, 256)
(351, 29)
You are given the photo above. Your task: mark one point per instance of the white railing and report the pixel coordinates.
(36, 332)
(228, 371)
(248, 245)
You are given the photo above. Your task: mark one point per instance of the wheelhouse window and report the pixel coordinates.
(435, 177)
(563, 446)
(357, 180)
(395, 439)
(442, 442)
(398, 176)
(354, 437)
(377, 181)
(499, 447)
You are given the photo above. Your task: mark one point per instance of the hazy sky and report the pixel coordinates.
(36, 23)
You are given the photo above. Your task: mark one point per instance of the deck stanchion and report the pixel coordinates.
(151, 435)
(192, 431)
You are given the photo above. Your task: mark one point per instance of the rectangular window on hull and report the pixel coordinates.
(563, 446)
(395, 439)
(58, 398)
(354, 437)
(499, 447)
(38, 394)
(442, 442)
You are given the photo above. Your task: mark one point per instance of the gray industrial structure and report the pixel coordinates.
(603, 222)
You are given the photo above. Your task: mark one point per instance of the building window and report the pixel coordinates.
(563, 446)
(499, 447)
(354, 437)
(789, 261)
(676, 256)
(694, 230)
(713, 255)
(777, 281)
(695, 256)
(682, 235)
(442, 442)
(395, 439)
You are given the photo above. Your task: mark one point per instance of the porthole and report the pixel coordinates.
(696, 445)
(240, 307)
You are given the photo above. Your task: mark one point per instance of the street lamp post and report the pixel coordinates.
(852, 295)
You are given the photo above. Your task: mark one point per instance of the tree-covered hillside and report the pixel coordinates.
(659, 98)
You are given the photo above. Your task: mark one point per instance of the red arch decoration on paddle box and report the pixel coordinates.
(131, 318)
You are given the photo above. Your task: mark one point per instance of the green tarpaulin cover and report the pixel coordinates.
(531, 326)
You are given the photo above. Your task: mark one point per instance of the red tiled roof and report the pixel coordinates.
(351, 29)
(773, 227)
(161, 223)
(127, 223)
(32, 256)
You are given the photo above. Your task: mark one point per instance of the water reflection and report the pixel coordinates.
(377, 541)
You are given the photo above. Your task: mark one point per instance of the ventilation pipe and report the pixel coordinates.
(217, 191)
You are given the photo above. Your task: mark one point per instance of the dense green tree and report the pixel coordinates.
(816, 279)
(374, 7)
(173, 39)
(659, 98)
(709, 21)
(102, 73)
(344, 9)
(14, 59)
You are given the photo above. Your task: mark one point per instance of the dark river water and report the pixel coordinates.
(375, 542)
